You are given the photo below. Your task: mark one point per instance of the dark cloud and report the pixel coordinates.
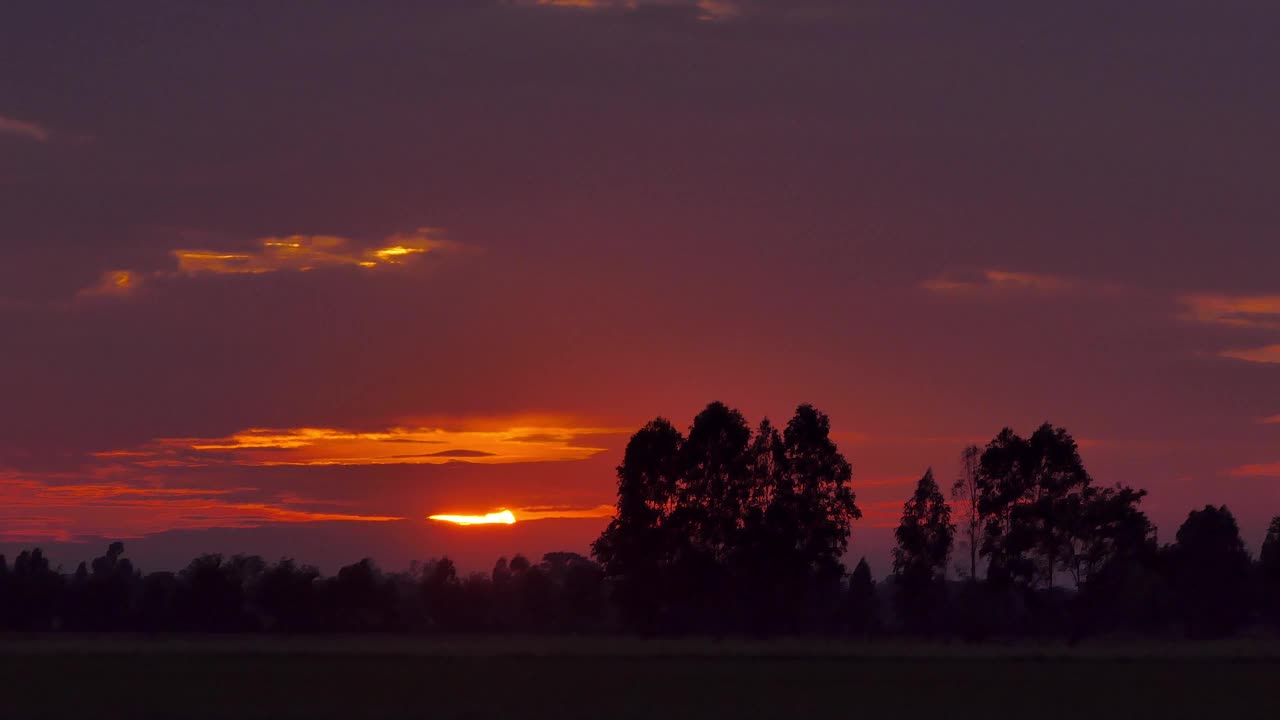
(463, 453)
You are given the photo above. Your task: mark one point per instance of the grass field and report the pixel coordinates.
(370, 677)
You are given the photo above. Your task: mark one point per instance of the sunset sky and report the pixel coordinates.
(289, 277)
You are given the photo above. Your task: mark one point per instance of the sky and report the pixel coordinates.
(288, 278)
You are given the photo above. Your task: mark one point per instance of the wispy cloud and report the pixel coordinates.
(32, 509)
(1273, 420)
(23, 129)
(563, 513)
(1244, 311)
(704, 9)
(993, 281)
(113, 283)
(1268, 354)
(329, 446)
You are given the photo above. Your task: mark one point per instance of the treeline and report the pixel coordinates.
(730, 529)
(565, 593)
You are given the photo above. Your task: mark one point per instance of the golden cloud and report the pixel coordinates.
(310, 446)
(294, 253)
(302, 253)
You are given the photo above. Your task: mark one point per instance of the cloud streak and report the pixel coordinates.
(992, 281)
(31, 509)
(1267, 470)
(23, 129)
(1266, 355)
(312, 446)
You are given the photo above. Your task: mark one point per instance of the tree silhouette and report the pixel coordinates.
(441, 593)
(727, 519)
(712, 497)
(1028, 488)
(925, 536)
(638, 548)
(1269, 572)
(826, 503)
(1121, 574)
(1104, 526)
(211, 593)
(1211, 573)
(967, 491)
(862, 604)
(32, 592)
(104, 598)
(715, 481)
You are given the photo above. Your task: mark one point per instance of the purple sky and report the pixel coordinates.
(274, 273)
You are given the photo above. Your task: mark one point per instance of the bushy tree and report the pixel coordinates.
(1026, 487)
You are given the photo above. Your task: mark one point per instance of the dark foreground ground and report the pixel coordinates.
(78, 677)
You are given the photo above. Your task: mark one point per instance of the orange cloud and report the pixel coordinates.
(1273, 420)
(1267, 355)
(996, 281)
(1269, 470)
(393, 446)
(23, 129)
(1245, 311)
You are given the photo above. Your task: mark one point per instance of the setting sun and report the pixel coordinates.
(502, 517)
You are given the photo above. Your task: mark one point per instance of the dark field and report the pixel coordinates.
(531, 678)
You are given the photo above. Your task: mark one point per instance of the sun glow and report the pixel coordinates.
(502, 517)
